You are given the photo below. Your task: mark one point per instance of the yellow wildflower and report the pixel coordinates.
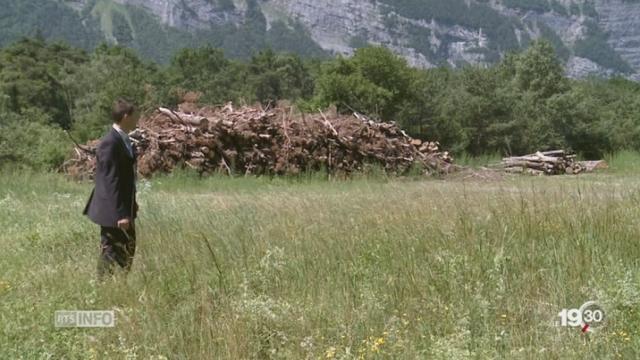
(376, 344)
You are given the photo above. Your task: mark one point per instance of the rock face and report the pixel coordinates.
(621, 20)
(599, 37)
(187, 14)
(578, 67)
(341, 25)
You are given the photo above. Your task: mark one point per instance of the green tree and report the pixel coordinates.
(539, 71)
(32, 75)
(420, 113)
(31, 140)
(111, 73)
(529, 82)
(374, 81)
(208, 71)
(279, 76)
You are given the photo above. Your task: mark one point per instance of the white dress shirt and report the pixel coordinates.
(125, 137)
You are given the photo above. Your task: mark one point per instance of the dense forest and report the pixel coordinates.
(523, 103)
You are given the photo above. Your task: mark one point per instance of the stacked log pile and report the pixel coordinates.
(555, 162)
(252, 140)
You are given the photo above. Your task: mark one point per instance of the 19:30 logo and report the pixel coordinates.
(588, 317)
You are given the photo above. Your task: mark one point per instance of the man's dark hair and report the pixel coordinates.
(122, 107)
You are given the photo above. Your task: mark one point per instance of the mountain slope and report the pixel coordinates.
(599, 37)
(156, 29)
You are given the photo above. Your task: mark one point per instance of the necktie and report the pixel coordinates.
(127, 141)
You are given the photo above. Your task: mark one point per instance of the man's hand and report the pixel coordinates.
(124, 224)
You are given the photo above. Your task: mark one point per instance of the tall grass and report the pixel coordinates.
(466, 159)
(624, 162)
(307, 268)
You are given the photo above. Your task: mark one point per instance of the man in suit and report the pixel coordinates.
(112, 203)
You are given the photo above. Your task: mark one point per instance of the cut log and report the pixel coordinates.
(183, 118)
(590, 166)
(554, 162)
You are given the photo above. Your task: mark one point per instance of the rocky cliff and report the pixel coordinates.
(599, 37)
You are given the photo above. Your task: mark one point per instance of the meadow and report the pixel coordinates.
(310, 268)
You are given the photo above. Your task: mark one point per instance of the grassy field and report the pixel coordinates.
(314, 269)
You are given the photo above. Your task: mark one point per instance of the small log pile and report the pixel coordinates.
(556, 162)
(252, 140)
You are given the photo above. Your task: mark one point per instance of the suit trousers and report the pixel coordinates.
(116, 247)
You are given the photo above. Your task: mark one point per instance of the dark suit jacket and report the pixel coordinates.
(113, 197)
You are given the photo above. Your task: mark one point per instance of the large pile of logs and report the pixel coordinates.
(252, 140)
(555, 162)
